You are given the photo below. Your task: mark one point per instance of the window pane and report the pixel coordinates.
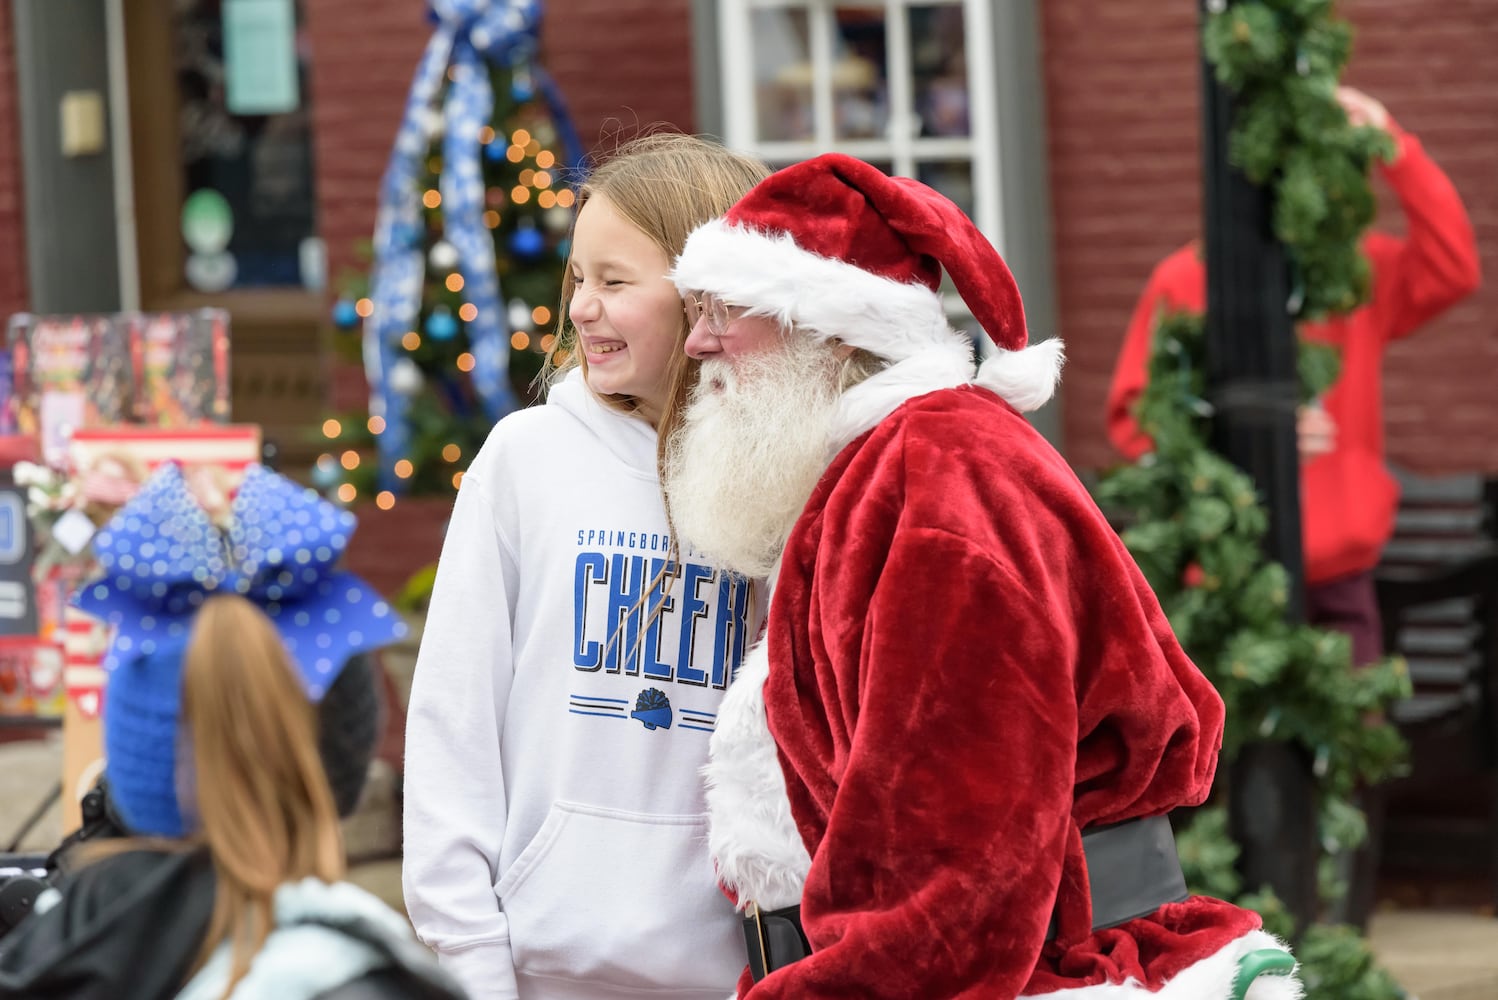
(953, 178)
(860, 75)
(939, 61)
(782, 75)
(248, 215)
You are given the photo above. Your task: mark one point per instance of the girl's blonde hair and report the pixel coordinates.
(666, 185)
(261, 795)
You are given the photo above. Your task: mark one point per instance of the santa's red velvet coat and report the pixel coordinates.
(963, 670)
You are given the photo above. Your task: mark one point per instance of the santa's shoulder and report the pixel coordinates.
(963, 446)
(959, 424)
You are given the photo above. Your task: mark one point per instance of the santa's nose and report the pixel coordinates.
(702, 343)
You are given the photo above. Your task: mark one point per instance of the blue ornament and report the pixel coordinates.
(345, 314)
(564, 247)
(495, 151)
(325, 474)
(441, 325)
(522, 87)
(526, 242)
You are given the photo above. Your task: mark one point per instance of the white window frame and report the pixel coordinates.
(901, 146)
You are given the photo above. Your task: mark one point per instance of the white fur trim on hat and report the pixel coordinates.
(832, 299)
(772, 275)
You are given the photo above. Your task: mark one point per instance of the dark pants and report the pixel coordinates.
(1349, 604)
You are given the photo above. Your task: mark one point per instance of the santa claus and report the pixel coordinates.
(945, 769)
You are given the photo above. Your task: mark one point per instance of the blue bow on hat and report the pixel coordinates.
(161, 557)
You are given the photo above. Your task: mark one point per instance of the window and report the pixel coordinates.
(904, 84)
(246, 146)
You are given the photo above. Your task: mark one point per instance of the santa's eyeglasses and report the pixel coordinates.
(707, 306)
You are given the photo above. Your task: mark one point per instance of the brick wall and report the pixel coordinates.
(1123, 93)
(623, 65)
(12, 222)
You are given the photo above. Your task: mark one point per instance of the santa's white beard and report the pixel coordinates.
(752, 445)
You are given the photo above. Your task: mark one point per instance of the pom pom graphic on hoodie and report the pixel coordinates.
(653, 709)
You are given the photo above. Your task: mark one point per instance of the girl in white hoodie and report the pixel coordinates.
(573, 659)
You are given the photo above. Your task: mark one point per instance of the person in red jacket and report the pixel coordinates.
(1348, 497)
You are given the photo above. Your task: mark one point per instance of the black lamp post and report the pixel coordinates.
(1252, 384)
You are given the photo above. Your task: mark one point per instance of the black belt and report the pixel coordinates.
(1132, 869)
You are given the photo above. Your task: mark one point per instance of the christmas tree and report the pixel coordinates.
(453, 320)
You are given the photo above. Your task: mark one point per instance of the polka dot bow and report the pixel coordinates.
(161, 556)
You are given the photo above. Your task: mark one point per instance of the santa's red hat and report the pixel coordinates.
(839, 249)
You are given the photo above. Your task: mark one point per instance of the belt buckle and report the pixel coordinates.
(761, 968)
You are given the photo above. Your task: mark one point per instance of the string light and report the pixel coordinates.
(491, 219)
(364, 307)
(520, 195)
(543, 179)
(350, 460)
(347, 493)
(411, 341)
(385, 500)
(520, 137)
(432, 198)
(546, 159)
(457, 479)
(376, 425)
(404, 468)
(486, 135)
(331, 428)
(434, 165)
(465, 362)
(532, 148)
(514, 154)
(455, 282)
(540, 315)
(565, 198)
(548, 341)
(468, 312)
(528, 176)
(520, 340)
(546, 199)
(451, 452)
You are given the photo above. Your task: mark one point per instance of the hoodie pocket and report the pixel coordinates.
(627, 899)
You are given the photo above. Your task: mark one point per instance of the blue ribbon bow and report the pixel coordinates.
(161, 557)
(470, 35)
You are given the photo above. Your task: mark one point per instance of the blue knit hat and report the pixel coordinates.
(140, 740)
(161, 557)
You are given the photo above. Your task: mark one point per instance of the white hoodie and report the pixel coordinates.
(555, 828)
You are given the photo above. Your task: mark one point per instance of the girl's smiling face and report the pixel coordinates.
(627, 314)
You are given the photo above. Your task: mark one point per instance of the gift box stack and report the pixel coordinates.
(89, 406)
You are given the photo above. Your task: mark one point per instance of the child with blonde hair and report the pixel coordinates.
(573, 659)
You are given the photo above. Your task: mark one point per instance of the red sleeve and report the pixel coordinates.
(1436, 264)
(1131, 371)
(944, 841)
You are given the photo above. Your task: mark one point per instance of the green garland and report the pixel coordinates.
(1283, 58)
(1196, 523)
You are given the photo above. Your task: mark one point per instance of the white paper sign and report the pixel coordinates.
(260, 66)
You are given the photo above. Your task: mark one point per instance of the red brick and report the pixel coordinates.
(13, 296)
